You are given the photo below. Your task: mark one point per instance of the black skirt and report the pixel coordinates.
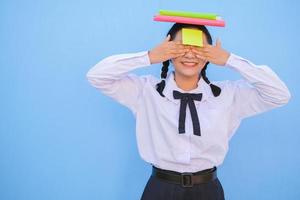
(158, 189)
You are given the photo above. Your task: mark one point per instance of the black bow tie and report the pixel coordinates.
(188, 98)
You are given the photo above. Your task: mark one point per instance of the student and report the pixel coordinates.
(184, 121)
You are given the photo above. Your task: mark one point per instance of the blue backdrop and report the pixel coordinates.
(62, 139)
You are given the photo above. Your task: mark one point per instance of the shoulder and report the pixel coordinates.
(148, 79)
(231, 84)
(229, 88)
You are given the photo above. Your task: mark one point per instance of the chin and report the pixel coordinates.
(189, 73)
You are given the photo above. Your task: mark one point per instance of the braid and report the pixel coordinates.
(164, 72)
(203, 73)
(215, 89)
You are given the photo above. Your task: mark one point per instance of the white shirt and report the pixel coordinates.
(158, 140)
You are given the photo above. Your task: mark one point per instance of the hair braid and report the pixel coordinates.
(164, 72)
(215, 89)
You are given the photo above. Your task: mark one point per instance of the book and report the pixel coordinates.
(188, 20)
(211, 16)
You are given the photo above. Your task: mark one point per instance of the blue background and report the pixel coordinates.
(62, 139)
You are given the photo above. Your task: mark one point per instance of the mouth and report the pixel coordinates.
(189, 64)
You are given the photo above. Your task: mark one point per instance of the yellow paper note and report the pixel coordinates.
(192, 37)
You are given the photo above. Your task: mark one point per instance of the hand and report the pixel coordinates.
(166, 50)
(214, 54)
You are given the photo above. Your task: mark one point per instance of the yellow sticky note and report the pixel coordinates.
(192, 37)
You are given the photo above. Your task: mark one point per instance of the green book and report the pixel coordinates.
(211, 16)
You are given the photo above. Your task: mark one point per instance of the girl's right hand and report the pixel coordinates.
(166, 50)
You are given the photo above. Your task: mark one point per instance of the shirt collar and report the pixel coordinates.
(171, 85)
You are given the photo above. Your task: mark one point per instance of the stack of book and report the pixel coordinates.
(209, 19)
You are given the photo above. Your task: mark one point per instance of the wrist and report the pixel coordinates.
(151, 57)
(226, 57)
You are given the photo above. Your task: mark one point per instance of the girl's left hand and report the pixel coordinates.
(214, 54)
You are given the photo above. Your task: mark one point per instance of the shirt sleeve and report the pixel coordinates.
(111, 76)
(259, 90)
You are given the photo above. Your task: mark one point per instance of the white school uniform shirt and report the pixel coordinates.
(158, 140)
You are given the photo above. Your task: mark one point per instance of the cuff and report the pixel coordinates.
(238, 63)
(231, 61)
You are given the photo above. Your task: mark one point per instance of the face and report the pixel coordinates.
(188, 65)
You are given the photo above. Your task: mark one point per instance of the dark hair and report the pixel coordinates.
(164, 70)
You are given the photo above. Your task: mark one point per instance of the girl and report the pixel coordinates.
(184, 122)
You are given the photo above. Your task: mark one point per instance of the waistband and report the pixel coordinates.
(185, 179)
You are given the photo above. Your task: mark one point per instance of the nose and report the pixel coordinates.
(189, 53)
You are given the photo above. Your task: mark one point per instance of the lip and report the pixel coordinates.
(189, 64)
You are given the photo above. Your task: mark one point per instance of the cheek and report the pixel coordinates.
(175, 62)
(202, 63)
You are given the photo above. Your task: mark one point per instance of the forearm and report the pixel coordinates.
(269, 86)
(114, 67)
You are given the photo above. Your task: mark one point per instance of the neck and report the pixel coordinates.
(186, 83)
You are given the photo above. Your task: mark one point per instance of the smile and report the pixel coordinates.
(190, 64)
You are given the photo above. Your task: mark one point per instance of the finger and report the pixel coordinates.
(218, 43)
(178, 42)
(206, 50)
(167, 39)
(201, 57)
(198, 52)
(177, 45)
(208, 55)
(210, 58)
(175, 55)
(178, 48)
(195, 48)
(207, 46)
(174, 43)
(178, 52)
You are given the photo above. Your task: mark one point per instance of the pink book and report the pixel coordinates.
(187, 20)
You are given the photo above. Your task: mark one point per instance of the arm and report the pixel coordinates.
(111, 76)
(259, 90)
